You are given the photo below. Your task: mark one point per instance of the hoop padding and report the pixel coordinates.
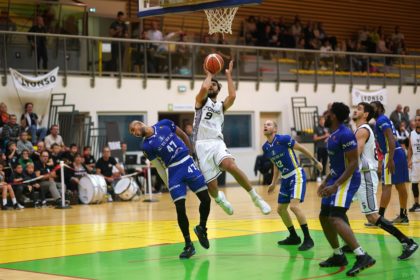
(220, 20)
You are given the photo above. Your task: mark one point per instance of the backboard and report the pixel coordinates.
(148, 8)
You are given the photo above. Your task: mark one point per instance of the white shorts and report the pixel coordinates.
(415, 173)
(210, 154)
(367, 192)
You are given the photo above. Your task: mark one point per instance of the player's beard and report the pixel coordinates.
(212, 94)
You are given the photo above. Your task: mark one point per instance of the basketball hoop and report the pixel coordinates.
(220, 20)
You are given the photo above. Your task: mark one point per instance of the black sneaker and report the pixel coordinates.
(290, 240)
(4, 207)
(401, 220)
(334, 260)
(408, 249)
(346, 249)
(415, 208)
(306, 245)
(18, 206)
(202, 236)
(188, 252)
(37, 204)
(362, 262)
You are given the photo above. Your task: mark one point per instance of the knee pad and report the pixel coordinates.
(339, 212)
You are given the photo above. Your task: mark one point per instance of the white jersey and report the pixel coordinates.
(415, 146)
(368, 159)
(208, 121)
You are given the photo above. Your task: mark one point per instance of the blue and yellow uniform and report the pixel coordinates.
(400, 160)
(341, 141)
(166, 146)
(280, 152)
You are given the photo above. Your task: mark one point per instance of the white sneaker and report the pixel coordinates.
(318, 179)
(260, 203)
(226, 206)
(109, 199)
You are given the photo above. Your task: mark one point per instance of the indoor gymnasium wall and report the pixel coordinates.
(132, 98)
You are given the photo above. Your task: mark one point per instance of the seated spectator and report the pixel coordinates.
(34, 186)
(33, 122)
(325, 55)
(88, 159)
(11, 154)
(406, 116)
(53, 137)
(79, 170)
(11, 131)
(24, 144)
(403, 135)
(104, 167)
(4, 116)
(56, 154)
(17, 184)
(40, 147)
(7, 188)
(45, 168)
(398, 41)
(68, 156)
(397, 116)
(24, 158)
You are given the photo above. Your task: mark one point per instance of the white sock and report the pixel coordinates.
(338, 251)
(253, 193)
(14, 200)
(359, 251)
(4, 201)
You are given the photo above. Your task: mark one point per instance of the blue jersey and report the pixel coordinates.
(281, 153)
(340, 141)
(165, 144)
(382, 123)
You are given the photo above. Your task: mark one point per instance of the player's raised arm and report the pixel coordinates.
(200, 99)
(308, 154)
(231, 88)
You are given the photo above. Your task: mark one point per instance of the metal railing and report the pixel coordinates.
(144, 59)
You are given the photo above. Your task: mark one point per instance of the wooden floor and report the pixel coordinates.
(33, 234)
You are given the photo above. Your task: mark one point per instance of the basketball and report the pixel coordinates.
(214, 63)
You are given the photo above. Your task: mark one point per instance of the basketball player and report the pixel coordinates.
(164, 148)
(338, 189)
(368, 165)
(414, 163)
(280, 149)
(212, 154)
(394, 165)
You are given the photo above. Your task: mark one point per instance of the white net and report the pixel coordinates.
(220, 20)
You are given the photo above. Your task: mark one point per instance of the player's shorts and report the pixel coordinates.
(210, 154)
(345, 193)
(415, 172)
(293, 186)
(401, 168)
(184, 173)
(367, 192)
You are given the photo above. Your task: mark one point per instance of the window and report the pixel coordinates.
(133, 143)
(237, 131)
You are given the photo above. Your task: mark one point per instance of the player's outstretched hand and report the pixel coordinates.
(271, 188)
(328, 191)
(229, 70)
(207, 71)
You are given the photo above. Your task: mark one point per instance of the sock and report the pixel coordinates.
(305, 230)
(292, 231)
(14, 200)
(183, 220)
(4, 201)
(253, 193)
(359, 251)
(338, 251)
(382, 211)
(403, 212)
(391, 229)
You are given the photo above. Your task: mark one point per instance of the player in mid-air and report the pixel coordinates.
(394, 165)
(212, 154)
(413, 156)
(338, 189)
(368, 165)
(164, 148)
(280, 149)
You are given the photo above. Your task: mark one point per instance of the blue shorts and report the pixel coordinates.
(344, 195)
(184, 174)
(401, 168)
(293, 186)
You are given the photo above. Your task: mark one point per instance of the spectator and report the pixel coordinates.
(34, 186)
(24, 144)
(297, 29)
(398, 41)
(40, 147)
(68, 156)
(321, 135)
(56, 154)
(33, 123)
(11, 154)
(39, 43)
(397, 116)
(154, 34)
(7, 188)
(46, 170)
(117, 29)
(24, 159)
(104, 166)
(79, 170)
(11, 131)
(403, 135)
(363, 35)
(4, 116)
(53, 137)
(325, 55)
(88, 159)
(406, 116)
(18, 187)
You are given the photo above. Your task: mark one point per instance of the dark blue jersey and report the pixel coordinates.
(281, 153)
(340, 141)
(165, 144)
(382, 123)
